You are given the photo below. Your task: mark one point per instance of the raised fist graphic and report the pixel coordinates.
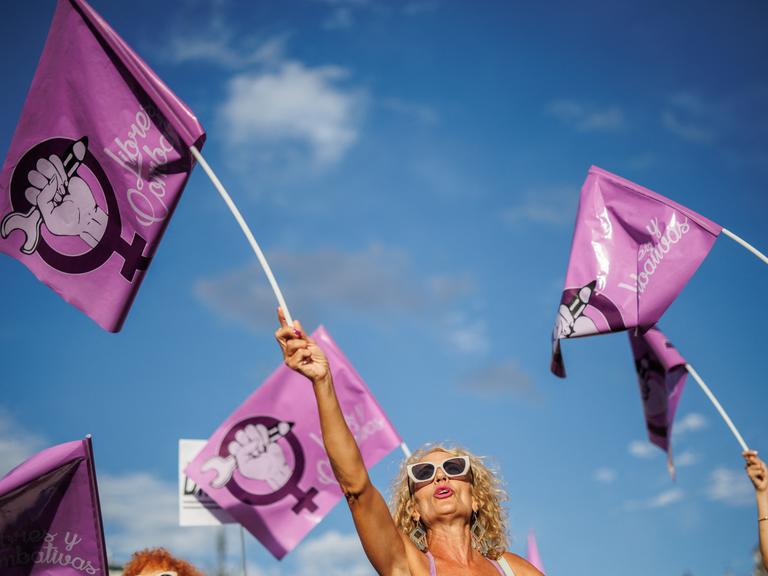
(258, 457)
(61, 200)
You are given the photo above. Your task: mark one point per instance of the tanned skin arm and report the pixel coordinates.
(382, 542)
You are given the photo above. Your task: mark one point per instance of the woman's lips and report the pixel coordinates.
(443, 492)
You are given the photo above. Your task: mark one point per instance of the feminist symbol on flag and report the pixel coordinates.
(255, 449)
(571, 320)
(55, 185)
(582, 310)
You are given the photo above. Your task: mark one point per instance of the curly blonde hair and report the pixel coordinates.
(486, 489)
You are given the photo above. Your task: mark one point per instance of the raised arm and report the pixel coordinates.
(758, 473)
(380, 538)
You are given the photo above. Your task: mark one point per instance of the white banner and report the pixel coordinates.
(195, 506)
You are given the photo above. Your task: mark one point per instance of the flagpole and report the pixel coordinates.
(94, 488)
(247, 231)
(242, 549)
(405, 449)
(717, 405)
(746, 245)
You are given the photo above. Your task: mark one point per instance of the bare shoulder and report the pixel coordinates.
(521, 566)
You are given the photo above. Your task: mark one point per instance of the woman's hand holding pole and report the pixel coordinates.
(378, 534)
(757, 472)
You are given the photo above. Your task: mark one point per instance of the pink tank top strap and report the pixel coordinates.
(432, 569)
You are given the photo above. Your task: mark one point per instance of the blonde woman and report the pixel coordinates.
(448, 519)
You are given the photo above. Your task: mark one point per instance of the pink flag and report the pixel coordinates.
(266, 464)
(96, 166)
(661, 374)
(533, 552)
(632, 252)
(50, 520)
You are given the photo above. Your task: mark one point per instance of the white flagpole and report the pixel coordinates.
(405, 449)
(247, 231)
(242, 549)
(746, 245)
(717, 405)
(262, 260)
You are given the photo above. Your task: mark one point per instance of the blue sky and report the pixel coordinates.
(412, 171)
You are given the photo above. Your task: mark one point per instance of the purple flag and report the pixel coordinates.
(632, 252)
(96, 166)
(533, 552)
(266, 464)
(50, 519)
(661, 374)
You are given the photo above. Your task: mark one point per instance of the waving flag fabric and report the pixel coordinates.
(50, 520)
(661, 374)
(95, 168)
(533, 553)
(266, 465)
(633, 251)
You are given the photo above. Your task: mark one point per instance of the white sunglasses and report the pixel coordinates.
(426, 471)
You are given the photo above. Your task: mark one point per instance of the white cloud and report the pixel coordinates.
(344, 13)
(448, 289)
(587, 117)
(688, 117)
(346, 3)
(684, 459)
(333, 554)
(552, 205)
(665, 498)
(642, 449)
(420, 7)
(205, 32)
(536, 212)
(421, 112)
(377, 279)
(217, 47)
(506, 377)
(16, 443)
(602, 120)
(661, 500)
(691, 422)
(141, 511)
(730, 487)
(340, 18)
(279, 109)
(642, 161)
(469, 336)
(292, 105)
(686, 130)
(605, 475)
